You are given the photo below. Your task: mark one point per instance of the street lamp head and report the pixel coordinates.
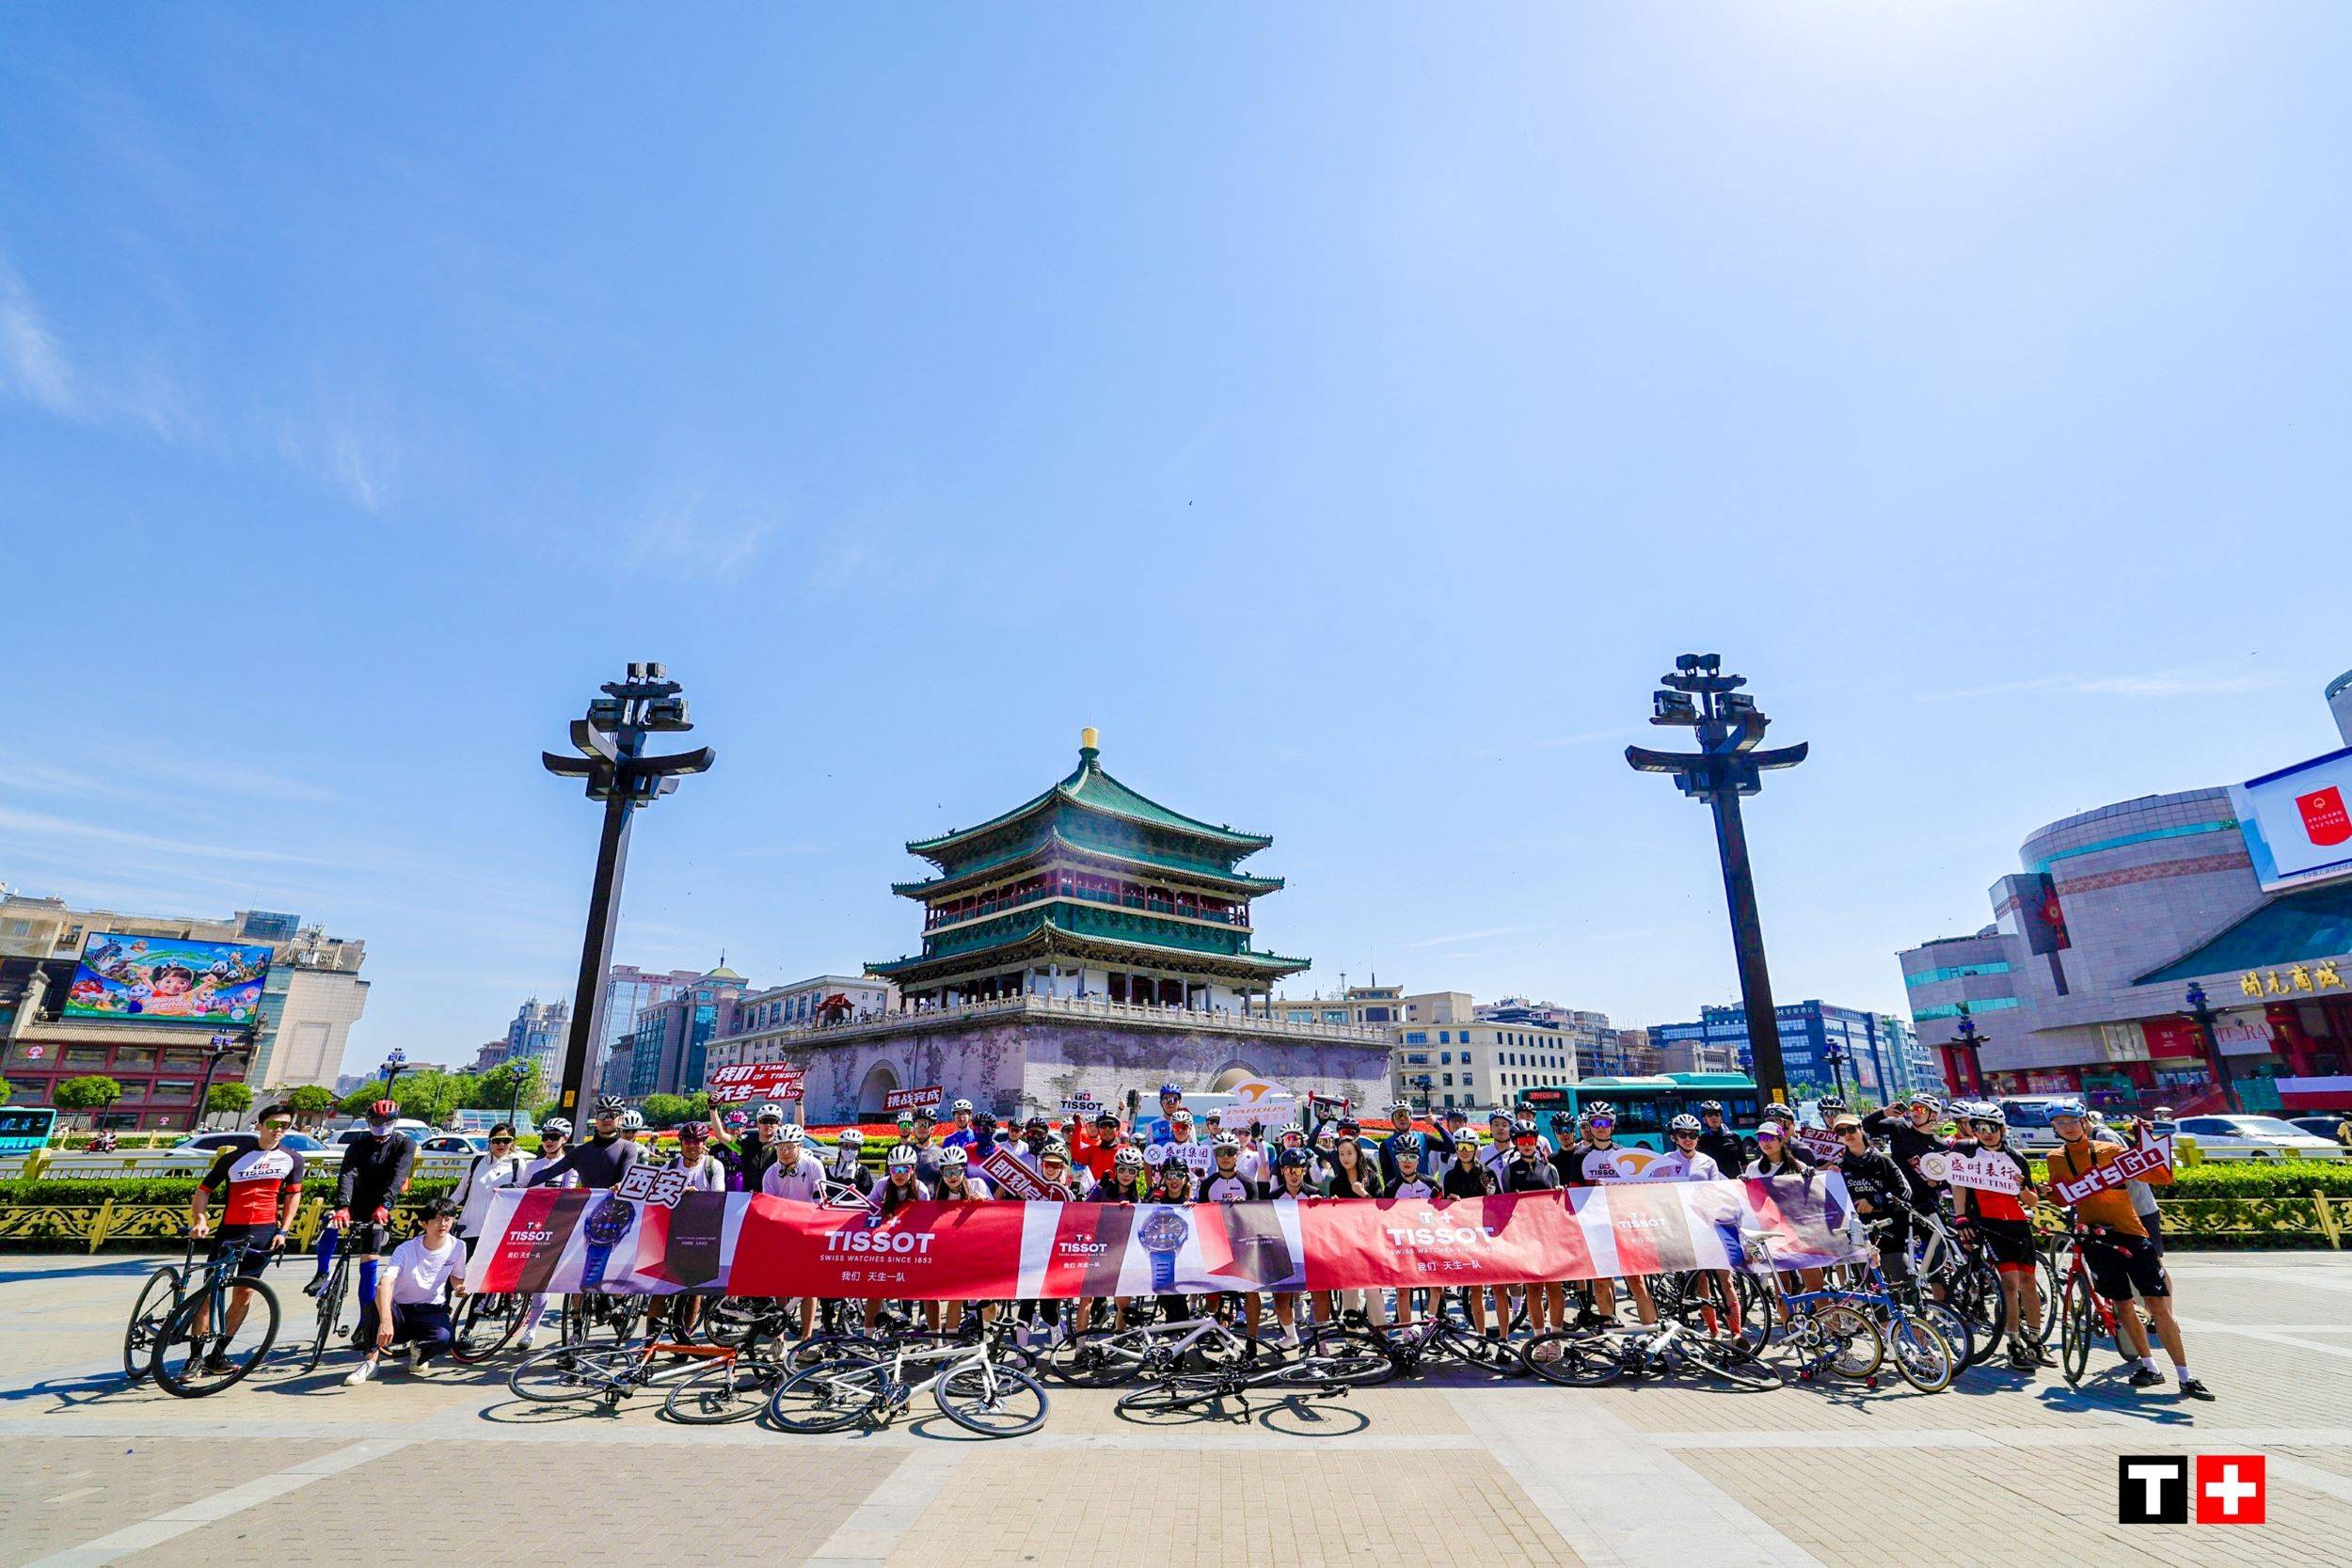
(2196, 996)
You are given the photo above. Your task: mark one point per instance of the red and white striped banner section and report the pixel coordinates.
(749, 1244)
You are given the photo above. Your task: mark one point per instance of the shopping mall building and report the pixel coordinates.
(2083, 981)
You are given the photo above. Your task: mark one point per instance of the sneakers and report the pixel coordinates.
(315, 1284)
(2194, 1388)
(1547, 1349)
(2020, 1359)
(216, 1363)
(531, 1342)
(359, 1374)
(2145, 1377)
(416, 1358)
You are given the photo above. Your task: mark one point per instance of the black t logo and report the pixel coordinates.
(2152, 1489)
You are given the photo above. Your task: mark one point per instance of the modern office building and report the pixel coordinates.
(2124, 919)
(670, 1052)
(628, 992)
(1602, 1049)
(290, 1024)
(1822, 1046)
(539, 1034)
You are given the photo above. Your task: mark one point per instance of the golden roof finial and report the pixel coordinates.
(1089, 740)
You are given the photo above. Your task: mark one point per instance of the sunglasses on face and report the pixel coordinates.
(1767, 1138)
(494, 1142)
(1686, 1132)
(276, 1126)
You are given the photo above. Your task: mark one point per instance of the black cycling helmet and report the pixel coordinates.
(610, 1105)
(1291, 1159)
(1707, 1105)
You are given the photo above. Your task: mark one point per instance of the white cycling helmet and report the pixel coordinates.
(961, 1105)
(850, 1138)
(555, 1127)
(955, 1155)
(793, 1135)
(1127, 1158)
(632, 1122)
(902, 1157)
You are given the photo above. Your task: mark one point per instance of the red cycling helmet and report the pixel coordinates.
(384, 1110)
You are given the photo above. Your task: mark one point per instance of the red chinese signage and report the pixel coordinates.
(733, 1085)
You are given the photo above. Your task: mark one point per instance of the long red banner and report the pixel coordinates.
(749, 1244)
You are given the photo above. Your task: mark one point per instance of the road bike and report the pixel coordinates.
(2086, 1316)
(573, 1369)
(1309, 1375)
(1946, 1269)
(1440, 1337)
(1102, 1357)
(220, 1330)
(1591, 1358)
(970, 1384)
(159, 1296)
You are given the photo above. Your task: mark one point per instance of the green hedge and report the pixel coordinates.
(148, 1190)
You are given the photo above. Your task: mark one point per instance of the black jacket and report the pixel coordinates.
(1906, 1143)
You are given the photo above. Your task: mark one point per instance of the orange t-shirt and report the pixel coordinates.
(2110, 1206)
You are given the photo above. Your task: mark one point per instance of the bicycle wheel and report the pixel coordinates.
(727, 1389)
(484, 1325)
(830, 1349)
(1099, 1358)
(157, 1299)
(828, 1397)
(1355, 1357)
(1581, 1359)
(991, 1399)
(1860, 1348)
(194, 1365)
(329, 1307)
(1923, 1358)
(1730, 1364)
(2079, 1326)
(1169, 1396)
(562, 1373)
(1976, 1291)
(2053, 1289)
(1954, 1326)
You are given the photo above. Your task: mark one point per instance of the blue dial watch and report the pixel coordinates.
(1162, 1235)
(605, 1227)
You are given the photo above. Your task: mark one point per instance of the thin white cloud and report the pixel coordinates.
(691, 533)
(2156, 685)
(139, 776)
(40, 825)
(35, 365)
(358, 455)
(1468, 936)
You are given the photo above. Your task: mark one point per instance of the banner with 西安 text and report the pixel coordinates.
(746, 1245)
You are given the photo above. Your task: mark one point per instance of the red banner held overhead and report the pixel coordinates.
(749, 1080)
(749, 1245)
(924, 1098)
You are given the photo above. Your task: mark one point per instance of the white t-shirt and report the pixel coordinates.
(418, 1272)
(804, 1179)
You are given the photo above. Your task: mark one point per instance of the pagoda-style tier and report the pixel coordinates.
(1089, 889)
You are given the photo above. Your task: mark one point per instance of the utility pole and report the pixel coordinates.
(610, 742)
(1696, 695)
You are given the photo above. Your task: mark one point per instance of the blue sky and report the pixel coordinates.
(1349, 409)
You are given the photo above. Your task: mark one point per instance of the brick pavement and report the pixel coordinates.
(93, 1472)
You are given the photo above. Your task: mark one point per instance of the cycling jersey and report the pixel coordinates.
(1477, 1182)
(1530, 1176)
(1586, 1164)
(750, 1158)
(544, 1163)
(803, 1180)
(1417, 1186)
(962, 1137)
(257, 1180)
(1230, 1189)
(2111, 1207)
(2008, 1207)
(1436, 1149)
(706, 1175)
(1906, 1143)
(599, 1163)
(374, 1170)
(1873, 1178)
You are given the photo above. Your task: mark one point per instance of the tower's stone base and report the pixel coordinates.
(1024, 1056)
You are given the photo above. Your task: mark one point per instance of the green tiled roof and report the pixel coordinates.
(2290, 929)
(1089, 788)
(1044, 849)
(1033, 935)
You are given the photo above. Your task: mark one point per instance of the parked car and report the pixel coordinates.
(2321, 1127)
(196, 1153)
(458, 1143)
(2257, 1138)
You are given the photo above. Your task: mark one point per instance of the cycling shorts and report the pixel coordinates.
(2010, 1242)
(366, 1239)
(259, 1237)
(2121, 1265)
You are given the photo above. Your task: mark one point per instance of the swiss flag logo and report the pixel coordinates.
(2231, 1488)
(2324, 815)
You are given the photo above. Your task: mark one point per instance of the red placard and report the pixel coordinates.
(914, 1099)
(1009, 1178)
(734, 1086)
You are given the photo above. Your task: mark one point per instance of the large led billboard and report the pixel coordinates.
(166, 980)
(2297, 821)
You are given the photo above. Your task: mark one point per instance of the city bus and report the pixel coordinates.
(1646, 1105)
(25, 1128)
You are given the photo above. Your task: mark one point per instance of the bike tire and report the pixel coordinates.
(1977, 1292)
(1861, 1349)
(726, 1390)
(2078, 1324)
(190, 1377)
(158, 1298)
(1954, 1326)
(1169, 1396)
(990, 1400)
(1099, 1358)
(1732, 1366)
(562, 1373)
(2053, 1289)
(1355, 1357)
(330, 1311)
(484, 1325)
(1585, 1360)
(827, 1397)
(1923, 1358)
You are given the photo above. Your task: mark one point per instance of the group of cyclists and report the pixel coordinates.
(1216, 1157)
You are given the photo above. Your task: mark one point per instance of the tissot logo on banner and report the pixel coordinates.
(2171, 1488)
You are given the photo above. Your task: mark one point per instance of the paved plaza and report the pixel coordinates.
(452, 1469)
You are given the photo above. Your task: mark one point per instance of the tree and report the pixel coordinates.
(231, 1097)
(541, 1113)
(504, 1086)
(361, 1098)
(93, 1092)
(5, 1091)
(666, 1110)
(428, 1095)
(311, 1102)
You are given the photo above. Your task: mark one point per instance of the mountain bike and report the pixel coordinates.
(971, 1385)
(221, 1329)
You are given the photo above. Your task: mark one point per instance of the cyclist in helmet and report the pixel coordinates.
(1914, 1129)
(1688, 1161)
(376, 1170)
(2004, 1223)
(2117, 1248)
(1225, 1183)
(749, 1158)
(1528, 1171)
(603, 1158)
(1172, 1096)
(959, 1133)
(847, 1166)
(1592, 1162)
(1717, 1141)
(796, 1172)
(554, 1134)
(1292, 1309)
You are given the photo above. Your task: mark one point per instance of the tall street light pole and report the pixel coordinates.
(610, 742)
(1728, 726)
(2201, 1010)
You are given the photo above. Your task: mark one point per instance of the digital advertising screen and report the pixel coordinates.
(2296, 823)
(166, 980)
